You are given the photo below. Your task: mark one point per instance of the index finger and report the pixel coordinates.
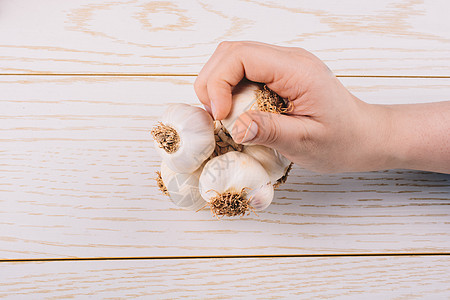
(230, 63)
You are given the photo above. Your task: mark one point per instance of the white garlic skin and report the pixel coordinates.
(195, 128)
(243, 99)
(183, 188)
(275, 164)
(234, 171)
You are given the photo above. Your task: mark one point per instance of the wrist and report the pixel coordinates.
(413, 136)
(379, 147)
(391, 156)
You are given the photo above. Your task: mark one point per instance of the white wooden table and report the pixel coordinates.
(81, 84)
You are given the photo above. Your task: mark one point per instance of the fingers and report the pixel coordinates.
(220, 91)
(217, 78)
(277, 131)
(230, 63)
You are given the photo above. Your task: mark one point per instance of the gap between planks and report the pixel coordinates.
(194, 75)
(227, 257)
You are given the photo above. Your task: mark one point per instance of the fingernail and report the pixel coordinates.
(213, 109)
(250, 133)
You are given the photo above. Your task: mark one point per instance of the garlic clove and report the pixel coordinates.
(182, 188)
(185, 137)
(275, 164)
(234, 183)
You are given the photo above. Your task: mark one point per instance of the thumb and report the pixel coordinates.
(268, 129)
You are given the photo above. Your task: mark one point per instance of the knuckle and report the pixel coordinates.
(296, 51)
(224, 45)
(299, 49)
(230, 45)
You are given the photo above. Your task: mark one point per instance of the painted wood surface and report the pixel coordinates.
(77, 162)
(300, 278)
(386, 37)
(77, 167)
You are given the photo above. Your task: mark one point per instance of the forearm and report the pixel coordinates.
(418, 136)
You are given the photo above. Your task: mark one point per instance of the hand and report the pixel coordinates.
(328, 129)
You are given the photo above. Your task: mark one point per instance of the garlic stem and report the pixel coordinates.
(223, 141)
(283, 178)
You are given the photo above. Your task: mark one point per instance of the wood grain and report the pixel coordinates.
(77, 167)
(388, 37)
(77, 163)
(300, 278)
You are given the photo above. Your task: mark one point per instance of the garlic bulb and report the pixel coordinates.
(182, 188)
(275, 164)
(244, 99)
(185, 137)
(234, 183)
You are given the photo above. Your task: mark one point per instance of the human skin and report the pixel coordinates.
(328, 130)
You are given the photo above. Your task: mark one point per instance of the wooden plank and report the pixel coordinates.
(77, 167)
(386, 37)
(302, 278)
